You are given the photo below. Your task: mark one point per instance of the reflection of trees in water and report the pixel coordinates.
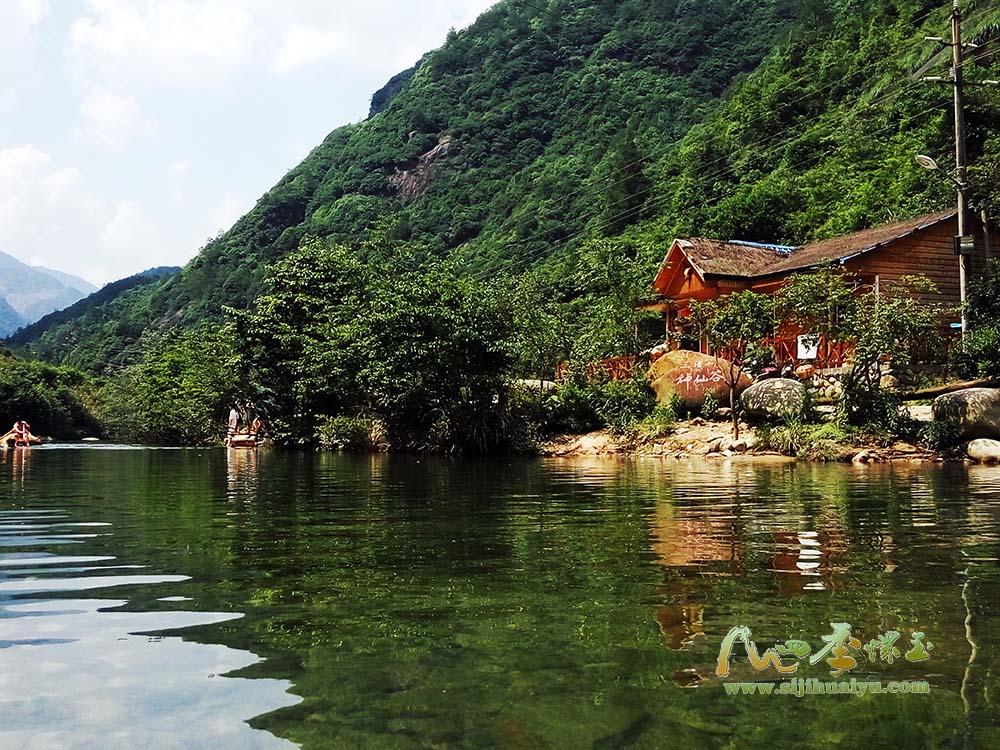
(877, 547)
(417, 602)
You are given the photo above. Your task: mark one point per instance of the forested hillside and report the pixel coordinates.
(548, 124)
(500, 147)
(97, 311)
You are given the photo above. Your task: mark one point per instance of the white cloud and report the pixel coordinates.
(178, 41)
(110, 116)
(28, 13)
(19, 23)
(300, 46)
(45, 210)
(227, 213)
(127, 230)
(57, 184)
(179, 168)
(21, 163)
(358, 32)
(183, 41)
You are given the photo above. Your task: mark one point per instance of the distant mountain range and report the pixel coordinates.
(104, 305)
(27, 293)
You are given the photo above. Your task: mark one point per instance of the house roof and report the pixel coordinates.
(849, 245)
(732, 257)
(737, 258)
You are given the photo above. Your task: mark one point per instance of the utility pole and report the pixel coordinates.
(961, 163)
(984, 214)
(965, 243)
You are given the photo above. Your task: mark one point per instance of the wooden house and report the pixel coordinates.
(703, 269)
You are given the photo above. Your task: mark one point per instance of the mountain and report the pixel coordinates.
(101, 310)
(29, 292)
(544, 125)
(10, 319)
(68, 279)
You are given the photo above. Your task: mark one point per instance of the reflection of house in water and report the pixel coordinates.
(693, 542)
(702, 544)
(806, 561)
(681, 623)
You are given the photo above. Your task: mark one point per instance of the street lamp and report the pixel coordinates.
(965, 244)
(927, 162)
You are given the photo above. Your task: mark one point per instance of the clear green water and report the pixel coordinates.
(194, 599)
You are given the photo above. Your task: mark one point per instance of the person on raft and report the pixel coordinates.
(19, 434)
(233, 424)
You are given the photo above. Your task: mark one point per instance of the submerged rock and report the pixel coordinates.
(974, 412)
(984, 451)
(691, 376)
(775, 399)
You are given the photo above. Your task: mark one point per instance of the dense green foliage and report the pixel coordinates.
(889, 324)
(980, 353)
(421, 351)
(58, 402)
(506, 204)
(736, 327)
(179, 393)
(113, 316)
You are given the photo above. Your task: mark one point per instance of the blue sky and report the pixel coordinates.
(131, 131)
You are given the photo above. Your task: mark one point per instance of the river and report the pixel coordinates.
(212, 599)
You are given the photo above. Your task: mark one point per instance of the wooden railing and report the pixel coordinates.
(613, 368)
(786, 349)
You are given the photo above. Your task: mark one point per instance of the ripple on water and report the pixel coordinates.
(87, 673)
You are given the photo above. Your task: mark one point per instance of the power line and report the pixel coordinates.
(778, 144)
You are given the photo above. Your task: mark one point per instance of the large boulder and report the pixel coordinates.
(984, 451)
(535, 386)
(973, 412)
(691, 376)
(774, 399)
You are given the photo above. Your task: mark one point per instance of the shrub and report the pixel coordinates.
(938, 436)
(569, 409)
(343, 433)
(794, 437)
(622, 403)
(710, 406)
(658, 424)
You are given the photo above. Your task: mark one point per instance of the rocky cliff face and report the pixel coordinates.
(411, 183)
(384, 96)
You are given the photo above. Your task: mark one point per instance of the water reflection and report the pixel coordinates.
(420, 603)
(241, 474)
(79, 673)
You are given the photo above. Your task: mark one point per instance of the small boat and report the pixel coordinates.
(243, 440)
(13, 440)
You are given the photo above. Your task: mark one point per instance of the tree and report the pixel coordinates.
(541, 336)
(422, 351)
(628, 186)
(178, 393)
(299, 343)
(739, 324)
(883, 325)
(981, 347)
(611, 276)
